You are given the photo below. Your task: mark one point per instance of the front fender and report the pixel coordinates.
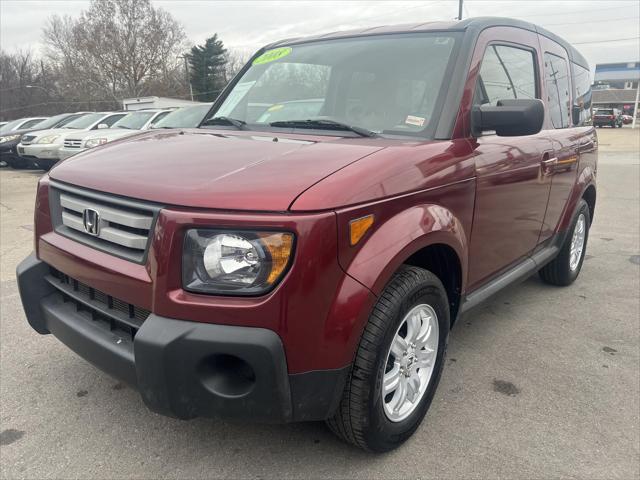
(404, 226)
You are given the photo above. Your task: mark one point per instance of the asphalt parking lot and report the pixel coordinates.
(541, 382)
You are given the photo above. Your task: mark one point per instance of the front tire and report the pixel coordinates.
(398, 363)
(565, 268)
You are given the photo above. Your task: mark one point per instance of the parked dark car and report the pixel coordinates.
(310, 268)
(608, 117)
(8, 143)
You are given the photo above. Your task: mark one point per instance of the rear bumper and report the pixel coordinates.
(184, 369)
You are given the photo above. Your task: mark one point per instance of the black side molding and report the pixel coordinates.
(517, 273)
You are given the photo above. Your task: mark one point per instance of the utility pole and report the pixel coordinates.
(635, 106)
(460, 9)
(186, 72)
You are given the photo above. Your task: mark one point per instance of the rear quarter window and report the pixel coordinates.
(581, 95)
(556, 78)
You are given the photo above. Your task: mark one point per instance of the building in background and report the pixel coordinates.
(616, 86)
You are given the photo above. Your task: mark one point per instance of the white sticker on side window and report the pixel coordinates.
(234, 98)
(417, 121)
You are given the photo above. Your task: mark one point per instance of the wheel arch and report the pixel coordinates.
(589, 196)
(427, 236)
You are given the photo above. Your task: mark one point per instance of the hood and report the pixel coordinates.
(209, 169)
(108, 133)
(51, 131)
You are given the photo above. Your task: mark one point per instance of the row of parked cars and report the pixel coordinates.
(40, 142)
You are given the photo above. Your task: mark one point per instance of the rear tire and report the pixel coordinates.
(366, 417)
(565, 268)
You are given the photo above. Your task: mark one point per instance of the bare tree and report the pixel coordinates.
(117, 48)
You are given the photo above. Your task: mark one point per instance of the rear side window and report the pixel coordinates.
(581, 95)
(556, 78)
(506, 73)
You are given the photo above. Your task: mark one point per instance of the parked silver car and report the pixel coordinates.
(128, 125)
(42, 148)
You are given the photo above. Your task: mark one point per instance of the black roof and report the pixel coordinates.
(475, 25)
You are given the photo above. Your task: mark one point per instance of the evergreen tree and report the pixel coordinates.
(207, 69)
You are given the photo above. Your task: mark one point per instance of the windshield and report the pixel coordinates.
(51, 121)
(134, 121)
(186, 117)
(11, 125)
(385, 83)
(604, 112)
(85, 121)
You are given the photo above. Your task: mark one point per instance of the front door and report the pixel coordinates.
(511, 195)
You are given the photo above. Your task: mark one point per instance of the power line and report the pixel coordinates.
(590, 21)
(606, 41)
(566, 13)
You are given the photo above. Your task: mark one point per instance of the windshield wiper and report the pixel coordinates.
(239, 124)
(324, 124)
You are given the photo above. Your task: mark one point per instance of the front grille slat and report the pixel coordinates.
(72, 143)
(123, 226)
(119, 315)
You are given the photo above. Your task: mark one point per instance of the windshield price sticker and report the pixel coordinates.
(417, 121)
(272, 55)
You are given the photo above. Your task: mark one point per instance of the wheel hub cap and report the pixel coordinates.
(410, 362)
(577, 242)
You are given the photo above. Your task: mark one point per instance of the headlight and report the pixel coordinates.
(94, 142)
(48, 139)
(234, 262)
(9, 138)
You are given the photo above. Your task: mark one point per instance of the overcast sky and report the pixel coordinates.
(247, 25)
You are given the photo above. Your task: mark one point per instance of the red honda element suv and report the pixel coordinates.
(303, 254)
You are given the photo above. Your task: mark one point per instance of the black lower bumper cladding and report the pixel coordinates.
(181, 369)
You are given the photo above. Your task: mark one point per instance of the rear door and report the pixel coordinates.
(564, 128)
(511, 197)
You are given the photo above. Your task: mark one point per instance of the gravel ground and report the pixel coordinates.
(541, 382)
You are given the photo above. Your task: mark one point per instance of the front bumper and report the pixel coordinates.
(183, 369)
(44, 151)
(65, 153)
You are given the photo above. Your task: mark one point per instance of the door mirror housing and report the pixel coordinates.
(509, 118)
(102, 126)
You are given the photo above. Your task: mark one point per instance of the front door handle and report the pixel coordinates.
(548, 165)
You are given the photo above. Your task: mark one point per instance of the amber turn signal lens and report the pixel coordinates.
(358, 227)
(279, 246)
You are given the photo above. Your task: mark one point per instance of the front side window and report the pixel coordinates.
(385, 84)
(581, 95)
(110, 120)
(506, 73)
(556, 79)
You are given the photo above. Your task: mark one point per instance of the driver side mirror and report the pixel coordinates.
(102, 126)
(509, 118)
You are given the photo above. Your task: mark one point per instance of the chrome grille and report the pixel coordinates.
(72, 143)
(117, 226)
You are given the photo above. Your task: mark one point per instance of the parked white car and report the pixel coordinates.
(128, 125)
(41, 148)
